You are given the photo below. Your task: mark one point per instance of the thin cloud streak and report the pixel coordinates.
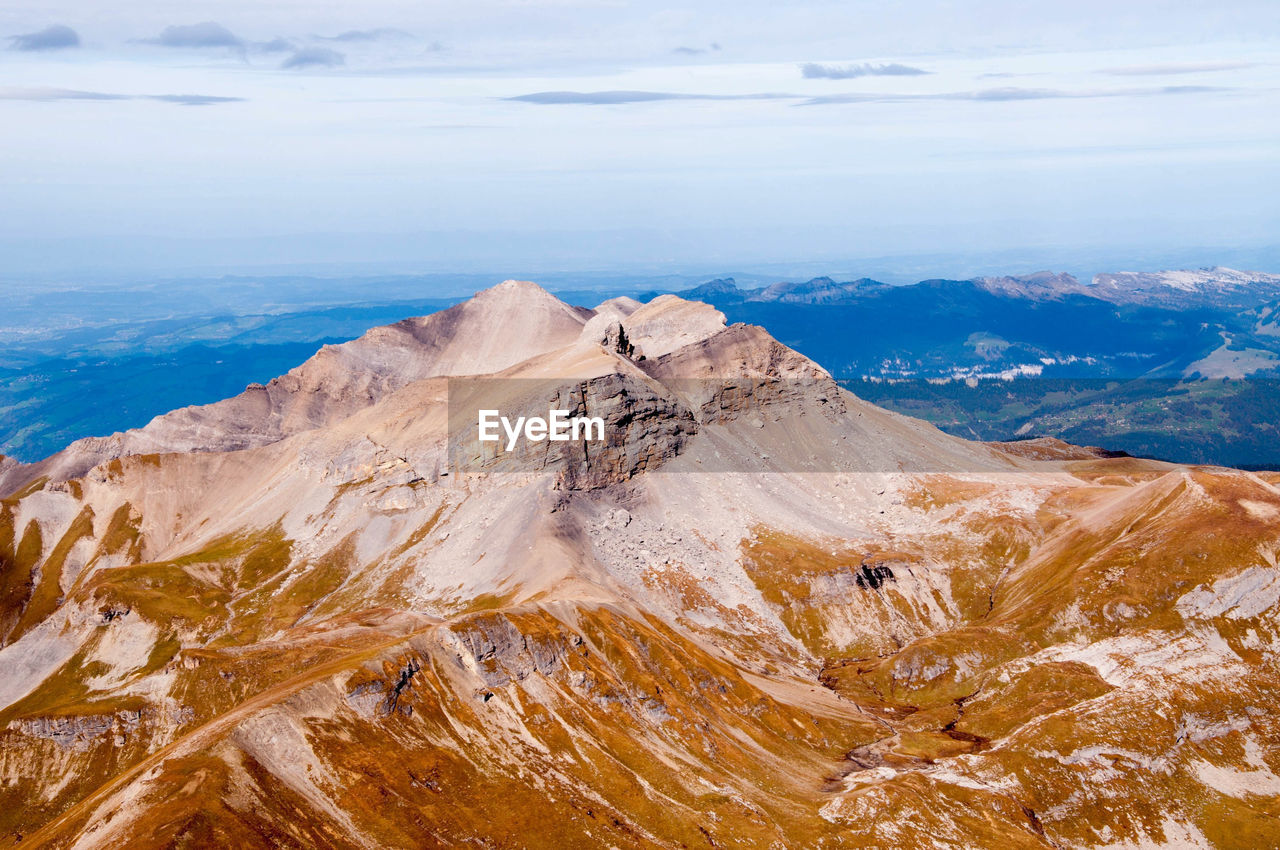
(1175, 68)
(997, 95)
(686, 50)
(612, 98)
(377, 34)
(193, 99)
(1009, 95)
(49, 95)
(41, 94)
(817, 71)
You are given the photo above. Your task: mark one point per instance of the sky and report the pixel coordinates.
(563, 134)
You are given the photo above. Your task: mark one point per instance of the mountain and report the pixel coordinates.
(760, 612)
(1059, 346)
(724, 290)
(1218, 285)
(1184, 370)
(821, 290)
(502, 326)
(1041, 285)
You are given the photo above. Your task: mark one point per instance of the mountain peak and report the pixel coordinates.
(1215, 277)
(347, 595)
(1036, 284)
(819, 290)
(514, 290)
(1217, 284)
(719, 285)
(522, 295)
(496, 328)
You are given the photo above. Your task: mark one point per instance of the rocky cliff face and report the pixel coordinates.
(644, 425)
(760, 613)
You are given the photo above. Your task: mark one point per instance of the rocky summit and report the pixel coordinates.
(760, 612)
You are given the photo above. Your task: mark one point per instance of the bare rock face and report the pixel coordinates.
(644, 429)
(668, 323)
(642, 425)
(324, 613)
(615, 339)
(86, 732)
(741, 370)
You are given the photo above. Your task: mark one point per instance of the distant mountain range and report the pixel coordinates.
(1180, 365)
(820, 290)
(1212, 323)
(1218, 286)
(322, 614)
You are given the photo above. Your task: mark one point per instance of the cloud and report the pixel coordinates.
(315, 57)
(47, 94)
(275, 45)
(367, 35)
(194, 99)
(1175, 68)
(695, 51)
(1009, 94)
(206, 34)
(55, 37)
(1013, 93)
(39, 93)
(995, 95)
(610, 98)
(815, 71)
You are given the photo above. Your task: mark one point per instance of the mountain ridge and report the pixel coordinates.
(763, 612)
(341, 379)
(1214, 284)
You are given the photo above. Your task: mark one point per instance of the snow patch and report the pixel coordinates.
(1241, 596)
(1182, 836)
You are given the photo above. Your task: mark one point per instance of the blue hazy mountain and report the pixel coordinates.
(1180, 365)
